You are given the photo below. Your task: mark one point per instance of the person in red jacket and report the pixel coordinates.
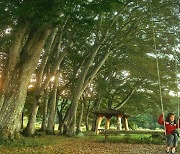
(171, 131)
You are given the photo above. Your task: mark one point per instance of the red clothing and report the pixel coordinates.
(169, 127)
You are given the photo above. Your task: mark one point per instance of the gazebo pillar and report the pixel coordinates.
(108, 119)
(119, 122)
(98, 123)
(126, 123)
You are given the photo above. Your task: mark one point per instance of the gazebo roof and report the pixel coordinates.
(110, 113)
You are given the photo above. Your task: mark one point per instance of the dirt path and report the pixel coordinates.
(74, 146)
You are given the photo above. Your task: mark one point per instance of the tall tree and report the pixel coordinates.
(33, 22)
(129, 21)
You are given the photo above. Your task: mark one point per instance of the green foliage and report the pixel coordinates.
(24, 143)
(130, 138)
(37, 12)
(135, 139)
(144, 121)
(46, 143)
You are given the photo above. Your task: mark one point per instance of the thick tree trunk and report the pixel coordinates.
(52, 107)
(30, 128)
(71, 120)
(14, 53)
(60, 120)
(82, 83)
(41, 86)
(79, 122)
(17, 77)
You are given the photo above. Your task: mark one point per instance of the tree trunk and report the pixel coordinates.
(62, 119)
(87, 122)
(60, 115)
(45, 108)
(87, 106)
(125, 100)
(25, 57)
(79, 122)
(58, 62)
(71, 120)
(14, 52)
(22, 122)
(41, 86)
(96, 68)
(30, 128)
(97, 105)
(52, 107)
(82, 83)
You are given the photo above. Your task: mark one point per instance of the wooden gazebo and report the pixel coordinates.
(108, 114)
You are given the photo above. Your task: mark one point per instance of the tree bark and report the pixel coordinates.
(32, 119)
(97, 67)
(13, 57)
(52, 107)
(87, 106)
(79, 122)
(60, 120)
(81, 85)
(25, 57)
(71, 120)
(97, 105)
(57, 62)
(45, 108)
(61, 117)
(87, 122)
(42, 85)
(30, 128)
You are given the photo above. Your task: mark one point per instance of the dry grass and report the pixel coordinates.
(79, 145)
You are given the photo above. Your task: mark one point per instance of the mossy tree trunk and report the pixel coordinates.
(24, 55)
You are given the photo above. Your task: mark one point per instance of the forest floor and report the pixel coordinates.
(56, 144)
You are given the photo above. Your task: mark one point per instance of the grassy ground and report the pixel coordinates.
(85, 143)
